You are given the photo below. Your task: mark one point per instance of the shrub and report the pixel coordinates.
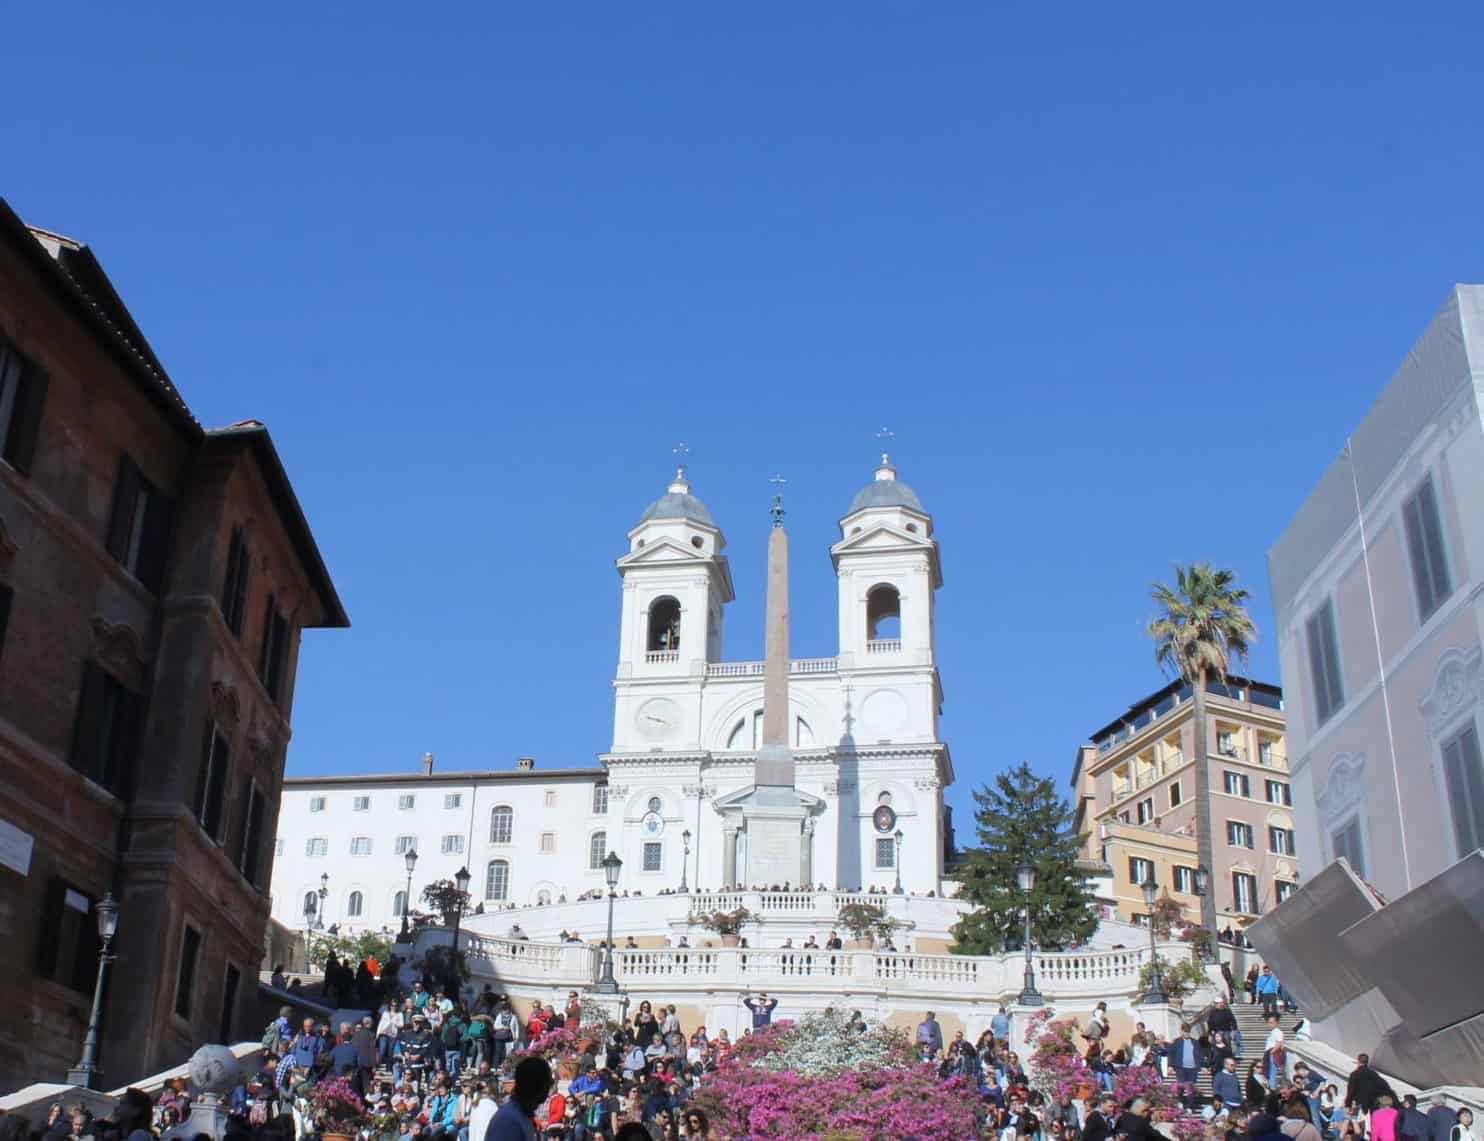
(862, 919)
(1177, 979)
(726, 922)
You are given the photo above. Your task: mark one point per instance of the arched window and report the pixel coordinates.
(497, 880)
(664, 625)
(543, 898)
(502, 820)
(353, 905)
(399, 904)
(597, 848)
(311, 903)
(883, 613)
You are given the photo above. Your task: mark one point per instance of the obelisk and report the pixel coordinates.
(774, 814)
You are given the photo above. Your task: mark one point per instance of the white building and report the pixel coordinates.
(863, 725)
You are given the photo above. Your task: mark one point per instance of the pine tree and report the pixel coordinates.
(1022, 820)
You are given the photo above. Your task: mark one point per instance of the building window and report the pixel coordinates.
(886, 852)
(1280, 841)
(1463, 772)
(406, 802)
(653, 855)
(1282, 890)
(317, 846)
(1265, 752)
(1236, 784)
(249, 859)
(22, 394)
(360, 845)
(655, 804)
(597, 849)
(139, 526)
(883, 613)
(1174, 794)
(497, 880)
(229, 1004)
(406, 844)
(1424, 528)
(273, 657)
(550, 799)
(278, 846)
(1239, 834)
(664, 626)
(1348, 842)
(107, 732)
(1244, 893)
(1324, 662)
(185, 978)
(399, 904)
(211, 783)
(67, 950)
(453, 799)
(316, 804)
(600, 800)
(502, 821)
(234, 585)
(353, 904)
(1225, 744)
(548, 842)
(1279, 792)
(361, 804)
(1185, 880)
(1144, 810)
(1140, 870)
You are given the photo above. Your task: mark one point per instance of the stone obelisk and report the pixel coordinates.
(774, 814)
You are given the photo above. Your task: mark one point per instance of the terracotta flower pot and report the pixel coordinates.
(730, 940)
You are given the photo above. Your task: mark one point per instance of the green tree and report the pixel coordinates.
(1020, 819)
(350, 949)
(1201, 626)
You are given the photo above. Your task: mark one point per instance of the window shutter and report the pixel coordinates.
(154, 543)
(125, 491)
(203, 774)
(51, 924)
(1461, 767)
(25, 420)
(125, 740)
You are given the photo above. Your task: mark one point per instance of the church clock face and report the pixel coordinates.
(884, 817)
(658, 718)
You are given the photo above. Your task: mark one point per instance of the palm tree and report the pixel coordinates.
(1202, 625)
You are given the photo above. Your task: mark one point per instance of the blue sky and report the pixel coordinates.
(1120, 281)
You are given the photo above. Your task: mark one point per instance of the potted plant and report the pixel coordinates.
(727, 924)
(337, 1109)
(866, 921)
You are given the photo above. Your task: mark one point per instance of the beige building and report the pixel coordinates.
(1135, 798)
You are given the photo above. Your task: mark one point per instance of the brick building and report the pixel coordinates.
(154, 580)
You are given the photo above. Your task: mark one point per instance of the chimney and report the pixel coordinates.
(525, 764)
(427, 764)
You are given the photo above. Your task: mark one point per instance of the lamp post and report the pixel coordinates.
(1209, 952)
(611, 866)
(106, 911)
(461, 880)
(411, 861)
(897, 836)
(1025, 876)
(311, 907)
(1156, 992)
(685, 862)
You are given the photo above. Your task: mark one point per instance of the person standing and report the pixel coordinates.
(1462, 1128)
(762, 1010)
(1384, 1119)
(1267, 992)
(1223, 1019)
(1441, 1120)
(1185, 1058)
(515, 1120)
(1366, 1087)
(929, 1035)
(1227, 1086)
(999, 1026)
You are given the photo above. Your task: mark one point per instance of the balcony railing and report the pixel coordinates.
(656, 656)
(756, 669)
(884, 646)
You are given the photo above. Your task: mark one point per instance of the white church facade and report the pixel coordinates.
(676, 794)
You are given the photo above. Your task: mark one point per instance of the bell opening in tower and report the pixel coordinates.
(883, 613)
(664, 625)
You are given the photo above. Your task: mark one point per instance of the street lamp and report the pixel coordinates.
(685, 862)
(1156, 993)
(106, 910)
(311, 907)
(897, 836)
(1025, 876)
(461, 881)
(1209, 952)
(411, 860)
(611, 866)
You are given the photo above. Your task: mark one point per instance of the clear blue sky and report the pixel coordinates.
(1120, 279)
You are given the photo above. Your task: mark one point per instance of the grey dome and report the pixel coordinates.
(885, 493)
(678, 505)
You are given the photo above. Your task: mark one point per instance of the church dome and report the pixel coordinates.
(678, 503)
(886, 490)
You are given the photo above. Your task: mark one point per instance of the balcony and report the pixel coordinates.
(884, 646)
(656, 657)
(757, 669)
